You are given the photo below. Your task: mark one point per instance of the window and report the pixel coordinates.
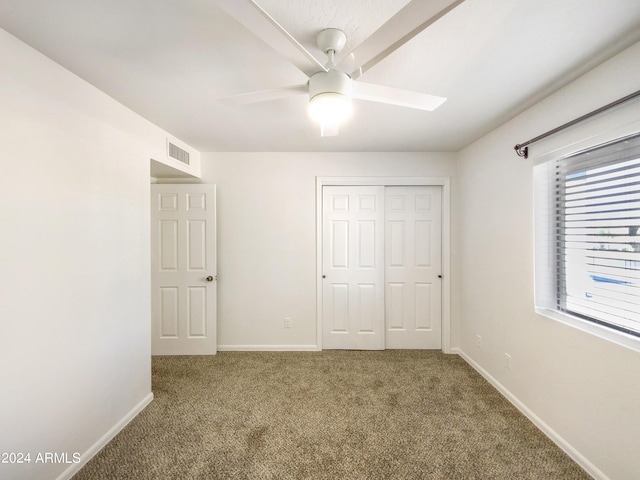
(588, 235)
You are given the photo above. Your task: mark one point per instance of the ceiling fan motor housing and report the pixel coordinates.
(332, 81)
(330, 97)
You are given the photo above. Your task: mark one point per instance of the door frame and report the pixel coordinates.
(445, 183)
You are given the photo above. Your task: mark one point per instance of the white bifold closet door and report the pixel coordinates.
(353, 261)
(381, 267)
(413, 259)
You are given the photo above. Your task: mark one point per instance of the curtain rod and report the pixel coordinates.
(522, 149)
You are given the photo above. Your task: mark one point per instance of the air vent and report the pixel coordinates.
(178, 153)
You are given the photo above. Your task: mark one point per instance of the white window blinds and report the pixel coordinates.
(593, 237)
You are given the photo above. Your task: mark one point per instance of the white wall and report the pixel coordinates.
(74, 261)
(267, 236)
(583, 389)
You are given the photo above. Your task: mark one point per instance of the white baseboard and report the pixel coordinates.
(268, 348)
(106, 438)
(537, 421)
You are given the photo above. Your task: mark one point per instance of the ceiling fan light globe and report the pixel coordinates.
(330, 108)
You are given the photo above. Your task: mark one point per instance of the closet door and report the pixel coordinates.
(353, 267)
(413, 267)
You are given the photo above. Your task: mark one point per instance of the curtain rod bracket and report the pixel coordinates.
(522, 150)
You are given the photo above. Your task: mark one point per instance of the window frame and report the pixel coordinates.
(556, 310)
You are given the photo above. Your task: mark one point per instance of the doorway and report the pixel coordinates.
(383, 262)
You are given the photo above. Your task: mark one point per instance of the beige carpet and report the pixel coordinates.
(327, 415)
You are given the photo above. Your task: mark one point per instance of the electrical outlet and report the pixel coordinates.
(507, 361)
(479, 341)
(287, 322)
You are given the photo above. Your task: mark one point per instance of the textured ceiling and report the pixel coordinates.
(173, 61)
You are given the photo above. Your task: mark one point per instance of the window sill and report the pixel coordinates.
(613, 336)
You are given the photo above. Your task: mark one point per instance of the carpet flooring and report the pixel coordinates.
(403, 414)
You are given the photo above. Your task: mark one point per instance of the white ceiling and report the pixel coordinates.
(171, 61)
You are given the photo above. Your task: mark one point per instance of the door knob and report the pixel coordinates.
(209, 278)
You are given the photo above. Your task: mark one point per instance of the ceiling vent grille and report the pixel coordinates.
(178, 153)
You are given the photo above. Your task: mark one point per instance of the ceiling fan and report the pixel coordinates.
(330, 88)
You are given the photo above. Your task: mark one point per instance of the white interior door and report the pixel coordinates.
(413, 267)
(183, 269)
(353, 267)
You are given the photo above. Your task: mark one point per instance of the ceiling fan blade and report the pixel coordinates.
(264, 95)
(402, 27)
(265, 27)
(396, 96)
